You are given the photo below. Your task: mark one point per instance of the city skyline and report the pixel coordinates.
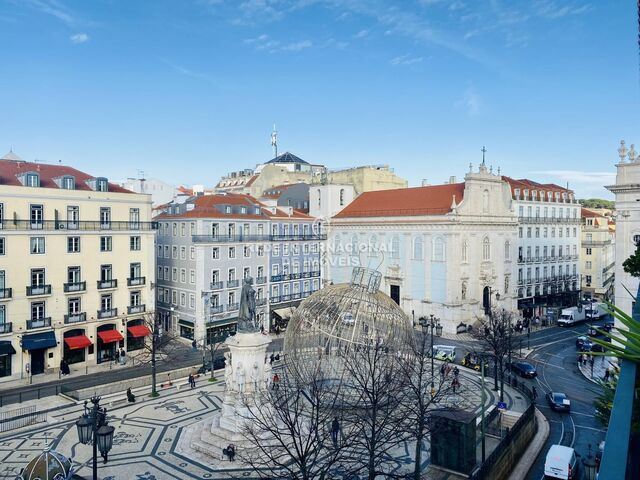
(420, 86)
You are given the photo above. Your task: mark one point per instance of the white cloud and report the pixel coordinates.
(585, 184)
(406, 59)
(186, 71)
(297, 46)
(264, 42)
(361, 34)
(53, 8)
(470, 101)
(79, 38)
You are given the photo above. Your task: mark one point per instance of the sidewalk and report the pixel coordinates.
(600, 364)
(468, 337)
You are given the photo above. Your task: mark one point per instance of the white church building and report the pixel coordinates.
(447, 250)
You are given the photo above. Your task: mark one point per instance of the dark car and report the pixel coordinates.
(597, 348)
(524, 369)
(218, 363)
(583, 344)
(559, 402)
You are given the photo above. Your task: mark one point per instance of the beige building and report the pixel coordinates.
(76, 267)
(597, 255)
(370, 178)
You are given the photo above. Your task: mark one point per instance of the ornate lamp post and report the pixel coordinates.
(93, 429)
(432, 322)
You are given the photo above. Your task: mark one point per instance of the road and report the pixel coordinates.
(186, 358)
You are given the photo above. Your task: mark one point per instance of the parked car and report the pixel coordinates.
(218, 363)
(471, 360)
(559, 402)
(445, 352)
(584, 344)
(524, 369)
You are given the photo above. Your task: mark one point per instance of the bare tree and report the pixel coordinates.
(495, 335)
(424, 393)
(211, 344)
(371, 396)
(289, 429)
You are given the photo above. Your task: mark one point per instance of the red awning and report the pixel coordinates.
(110, 336)
(77, 342)
(139, 331)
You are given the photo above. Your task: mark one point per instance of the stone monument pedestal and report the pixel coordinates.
(247, 374)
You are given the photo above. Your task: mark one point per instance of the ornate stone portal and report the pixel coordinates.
(247, 374)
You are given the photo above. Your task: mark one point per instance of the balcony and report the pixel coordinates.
(261, 301)
(233, 283)
(44, 322)
(6, 327)
(306, 274)
(75, 318)
(216, 309)
(104, 284)
(296, 296)
(88, 225)
(34, 290)
(316, 273)
(5, 293)
(110, 313)
(276, 299)
(255, 238)
(75, 287)
(261, 280)
(133, 309)
(277, 278)
(216, 285)
(231, 307)
(136, 281)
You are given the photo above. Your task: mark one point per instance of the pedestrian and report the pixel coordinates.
(272, 358)
(194, 345)
(335, 430)
(456, 371)
(276, 381)
(123, 357)
(448, 369)
(534, 393)
(192, 381)
(454, 384)
(131, 398)
(230, 451)
(443, 369)
(606, 375)
(117, 360)
(592, 360)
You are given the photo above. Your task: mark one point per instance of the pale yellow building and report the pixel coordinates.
(597, 255)
(370, 178)
(77, 268)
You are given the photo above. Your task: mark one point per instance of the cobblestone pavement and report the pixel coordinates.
(147, 435)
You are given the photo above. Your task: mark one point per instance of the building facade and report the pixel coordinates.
(161, 192)
(208, 245)
(597, 255)
(548, 246)
(76, 267)
(447, 250)
(627, 191)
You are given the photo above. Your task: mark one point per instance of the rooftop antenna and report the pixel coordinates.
(141, 174)
(483, 150)
(274, 141)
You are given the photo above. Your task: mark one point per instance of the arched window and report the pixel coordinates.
(341, 196)
(463, 293)
(319, 198)
(354, 245)
(465, 251)
(417, 248)
(486, 249)
(438, 250)
(507, 250)
(373, 246)
(485, 201)
(395, 247)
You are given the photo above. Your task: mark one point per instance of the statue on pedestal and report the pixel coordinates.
(247, 313)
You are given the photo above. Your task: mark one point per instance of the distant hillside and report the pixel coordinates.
(597, 203)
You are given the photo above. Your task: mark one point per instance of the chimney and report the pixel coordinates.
(452, 179)
(424, 182)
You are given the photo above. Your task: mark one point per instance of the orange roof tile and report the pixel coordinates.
(523, 183)
(429, 200)
(585, 212)
(10, 169)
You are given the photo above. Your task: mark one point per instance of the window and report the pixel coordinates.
(275, 269)
(341, 196)
(192, 228)
(106, 302)
(227, 209)
(285, 250)
(276, 250)
(2, 246)
(37, 216)
(166, 273)
(37, 311)
(587, 265)
(134, 218)
(105, 217)
(166, 251)
(486, 249)
(73, 217)
(73, 244)
(174, 229)
(74, 306)
(588, 280)
(520, 232)
(260, 250)
(134, 243)
(135, 270)
(183, 275)
(589, 237)
(160, 270)
(183, 229)
(574, 231)
(102, 185)
(215, 276)
(232, 252)
(174, 274)
(553, 232)
(73, 275)
(105, 244)
(192, 253)
(537, 232)
(183, 253)
(37, 245)
(231, 229)
(32, 180)
(417, 247)
(232, 298)
(192, 301)
(395, 247)
(246, 251)
(174, 297)
(134, 298)
(465, 251)
(192, 276)
(438, 250)
(231, 275)
(215, 229)
(106, 273)
(528, 232)
(215, 253)
(589, 250)
(507, 250)
(246, 272)
(37, 277)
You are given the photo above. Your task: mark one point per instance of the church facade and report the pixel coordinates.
(447, 250)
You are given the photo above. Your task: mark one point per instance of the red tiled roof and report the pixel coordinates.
(523, 183)
(584, 212)
(10, 169)
(205, 207)
(430, 200)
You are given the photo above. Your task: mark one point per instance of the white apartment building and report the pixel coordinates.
(597, 255)
(627, 192)
(76, 267)
(548, 246)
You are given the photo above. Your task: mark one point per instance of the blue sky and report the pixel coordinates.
(188, 90)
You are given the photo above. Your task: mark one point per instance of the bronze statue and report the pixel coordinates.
(247, 314)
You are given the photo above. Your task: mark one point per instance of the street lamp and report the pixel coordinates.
(590, 466)
(93, 429)
(432, 322)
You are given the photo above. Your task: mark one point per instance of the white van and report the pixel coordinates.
(445, 352)
(561, 463)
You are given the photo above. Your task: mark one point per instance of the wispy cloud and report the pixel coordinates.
(406, 59)
(297, 46)
(186, 71)
(470, 102)
(53, 8)
(266, 43)
(361, 34)
(585, 184)
(79, 38)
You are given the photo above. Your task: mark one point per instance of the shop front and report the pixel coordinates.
(186, 328)
(37, 345)
(75, 346)
(280, 318)
(218, 331)
(136, 333)
(6, 356)
(108, 338)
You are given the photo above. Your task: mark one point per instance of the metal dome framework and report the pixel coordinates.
(48, 465)
(344, 328)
